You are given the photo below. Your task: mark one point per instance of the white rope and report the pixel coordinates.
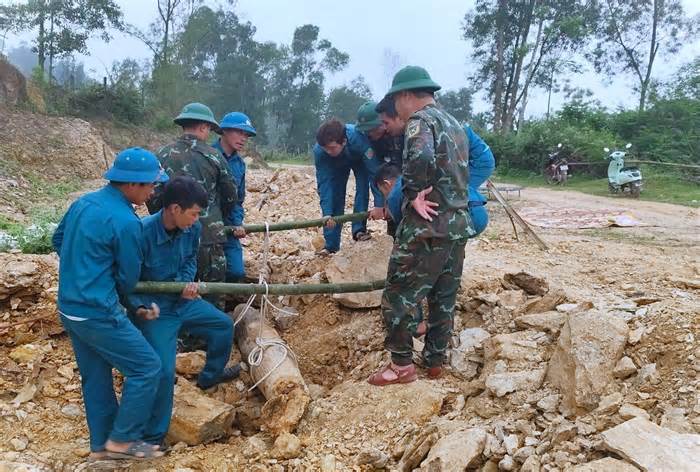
(256, 356)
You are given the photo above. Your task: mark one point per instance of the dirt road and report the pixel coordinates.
(663, 217)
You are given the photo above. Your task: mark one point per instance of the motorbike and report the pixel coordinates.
(556, 170)
(623, 179)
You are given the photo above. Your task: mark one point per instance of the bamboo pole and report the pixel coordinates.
(287, 225)
(220, 288)
(672, 164)
(513, 215)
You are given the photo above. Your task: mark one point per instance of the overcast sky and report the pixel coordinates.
(419, 32)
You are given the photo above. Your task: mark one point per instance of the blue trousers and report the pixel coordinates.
(200, 318)
(235, 270)
(340, 182)
(100, 345)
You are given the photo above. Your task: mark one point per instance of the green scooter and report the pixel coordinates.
(623, 179)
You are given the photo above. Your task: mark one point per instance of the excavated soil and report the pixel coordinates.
(646, 276)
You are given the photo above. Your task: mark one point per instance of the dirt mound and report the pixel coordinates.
(15, 89)
(13, 85)
(52, 147)
(120, 136)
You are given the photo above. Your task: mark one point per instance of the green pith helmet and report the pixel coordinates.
(367, 117)
(411, 78)
(199, 112)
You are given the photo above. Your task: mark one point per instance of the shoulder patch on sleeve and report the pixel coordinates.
(413, 128)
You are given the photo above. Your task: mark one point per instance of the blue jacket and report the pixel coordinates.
(355, 152)
(236, 166)
(387, 150)
(167, 257)
(481, 166)
(99, 243)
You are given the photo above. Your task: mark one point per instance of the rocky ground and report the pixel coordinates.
(582, 358)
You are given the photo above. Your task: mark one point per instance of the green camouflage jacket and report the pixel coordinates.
(188, 156)
(436, 153)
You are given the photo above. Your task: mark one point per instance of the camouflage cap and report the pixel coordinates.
(367, 117)
(412, 78)
(197, 112)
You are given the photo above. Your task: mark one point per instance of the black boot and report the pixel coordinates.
(228, 374)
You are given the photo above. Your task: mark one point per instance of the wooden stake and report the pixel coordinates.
(514, 216)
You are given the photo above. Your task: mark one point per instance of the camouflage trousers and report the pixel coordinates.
(211, 263)
(211, 267)
(428, 268)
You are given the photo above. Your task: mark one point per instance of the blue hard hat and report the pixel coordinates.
(136, 166)
(237, 120)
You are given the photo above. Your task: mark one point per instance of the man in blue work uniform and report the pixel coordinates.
(99, 245)
(339, 149)
(170, 247)
(236, 128)
(385, 149)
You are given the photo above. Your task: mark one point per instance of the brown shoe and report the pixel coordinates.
(401, 375)
(434, 372)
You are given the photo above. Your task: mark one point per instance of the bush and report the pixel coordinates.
(275, 155)
(666, 132)
(34, 238)
(119, 103)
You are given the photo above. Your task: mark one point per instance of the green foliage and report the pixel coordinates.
(514, 41)
(64, 27)
(282, 157)
(122, 104)
(631, 34)
(211, 56)
(686, 82)
(665, 132)
(344, 101)
(457, 103)
(528, 149)
(48, 203)
(296, 88)
(34, 238)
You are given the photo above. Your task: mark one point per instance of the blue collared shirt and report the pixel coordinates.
(99, 243)
(167, 257)
(237, 167)
(355, 153)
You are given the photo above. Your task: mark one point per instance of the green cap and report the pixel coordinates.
(411, 78)
(199, 112)
(367, 117)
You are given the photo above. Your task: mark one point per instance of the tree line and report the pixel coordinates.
(209, 54)
(528, 44)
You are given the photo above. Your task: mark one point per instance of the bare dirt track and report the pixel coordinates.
(500, 397)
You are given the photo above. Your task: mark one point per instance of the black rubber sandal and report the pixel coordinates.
(137, 450)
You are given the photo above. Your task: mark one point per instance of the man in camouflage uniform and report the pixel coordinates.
(191, 155)
(428, 253)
